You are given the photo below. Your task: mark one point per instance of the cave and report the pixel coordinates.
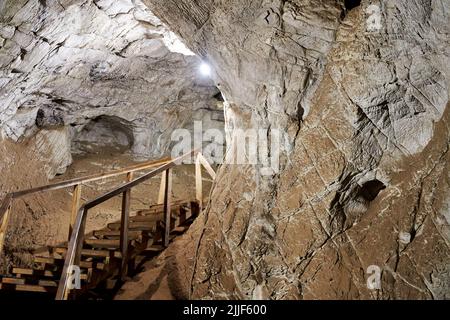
(224, 150)
(350, 4)
(370, 189)
(103, 134)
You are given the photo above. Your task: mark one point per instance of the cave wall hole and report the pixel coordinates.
(103, 135)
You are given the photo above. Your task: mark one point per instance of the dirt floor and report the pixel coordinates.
(165, 277)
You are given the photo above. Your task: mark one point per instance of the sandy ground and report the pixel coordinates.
(165, 277)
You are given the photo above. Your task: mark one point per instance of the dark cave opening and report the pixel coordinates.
(370, 189)
(350, 4)
(104, 134)
(219, 97)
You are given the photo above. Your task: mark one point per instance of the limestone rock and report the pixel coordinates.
(362, 96)
(53, 149)
(68, 63)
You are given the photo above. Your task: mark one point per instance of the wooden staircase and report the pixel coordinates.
(101, 255)
(106, 257)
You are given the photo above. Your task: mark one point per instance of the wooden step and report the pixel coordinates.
(159, 240)
(103, 243)
(34, 272)
(28, 288)
(135, 226)
(20, 272)
(115, 234)
(156, 207)
(148, 218)
(175, 210)
(60, 261)
(23, 281)
(8, 280)
(180, 229)
(91, 253)
(155, 248)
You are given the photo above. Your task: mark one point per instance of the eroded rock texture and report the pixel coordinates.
(37, 220)
(65, 64)
(364, 177)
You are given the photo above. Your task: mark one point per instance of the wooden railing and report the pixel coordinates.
(79, 213)
(76, 184)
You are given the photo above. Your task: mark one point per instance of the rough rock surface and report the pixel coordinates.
(364, 180)
(35, 221)
(80, 77)
(361, 95)
(67, 63)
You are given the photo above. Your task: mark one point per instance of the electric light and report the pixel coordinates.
(205, 69)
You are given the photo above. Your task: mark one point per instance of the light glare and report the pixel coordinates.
(205, 69)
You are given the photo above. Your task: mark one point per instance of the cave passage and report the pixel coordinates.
(104, 134)
(322, 135)
(351, 4)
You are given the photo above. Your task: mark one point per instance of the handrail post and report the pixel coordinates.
(124, 225)
(4, 227)
(73, 256)
(162, 188)
(207, 166)
(198, 182)
(76, 242)
(76, 198)
(167, 208)
(77, 259)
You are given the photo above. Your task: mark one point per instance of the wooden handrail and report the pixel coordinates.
(79, 214)
(5, 204)
(4, 219)
(95, 177)
(207, 166)
(200, 161)
(74, 182)
(73, 256)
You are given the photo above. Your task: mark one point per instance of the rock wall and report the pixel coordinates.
(67, 63)
(65, 67)
(362, 97)
(37, 220)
